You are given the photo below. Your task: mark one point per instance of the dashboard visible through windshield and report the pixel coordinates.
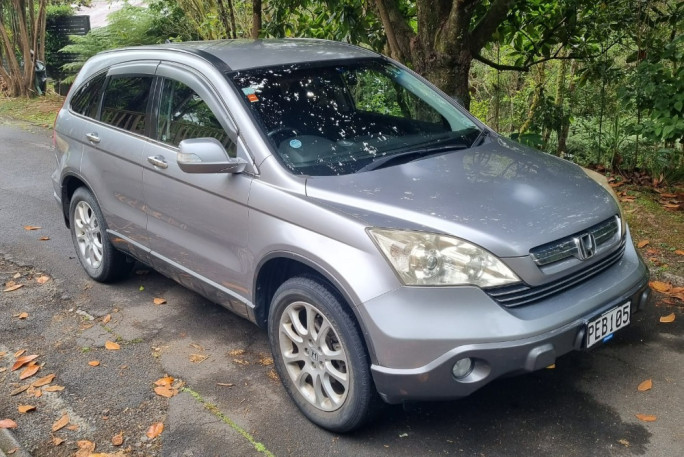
(340, 118)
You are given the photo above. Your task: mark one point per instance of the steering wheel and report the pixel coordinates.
(280, 130)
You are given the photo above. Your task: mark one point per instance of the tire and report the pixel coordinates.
(98, 257)
(320, 356)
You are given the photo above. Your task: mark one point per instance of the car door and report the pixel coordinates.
(114, 141)
(197, 223)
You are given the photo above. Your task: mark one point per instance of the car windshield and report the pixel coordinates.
(352, 117)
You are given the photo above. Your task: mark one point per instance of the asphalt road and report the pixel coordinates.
(231, 405)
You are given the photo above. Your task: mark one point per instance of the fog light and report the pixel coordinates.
(462, 368)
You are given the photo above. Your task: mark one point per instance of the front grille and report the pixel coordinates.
(601, 234)
(522, 294)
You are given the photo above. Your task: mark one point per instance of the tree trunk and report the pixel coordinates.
(231, 11)
(256, 19)
(224, 17)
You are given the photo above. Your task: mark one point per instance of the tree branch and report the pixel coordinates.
(486, 27)
(397, 30)
(498, 66)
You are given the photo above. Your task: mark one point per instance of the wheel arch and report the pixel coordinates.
(278, 267)
(69, 185)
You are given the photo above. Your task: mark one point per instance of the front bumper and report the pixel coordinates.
(415, 353)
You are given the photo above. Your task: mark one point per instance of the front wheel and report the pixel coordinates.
(319, 355)
(98, 257)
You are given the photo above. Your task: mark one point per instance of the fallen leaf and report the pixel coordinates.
(13, 287)
(165, 381)
(94, 363)
(23, 315)
(155, 430)
(19, 353)
(38, 394)
(23, 409)
(44, 380)
(165, 391)
(29, 371)
(54, 388)
(236, 352)
(21, 361)
(660, 286)
(44, 238)
(106, 319)
(265, 360)
(3, 354)
(42, 279)
(643, 243)
(19, 390)
(198, 358)
(7, 423)
(667, 319)
(12, 451)
(159, 301)
(225, 384)
(118, 439)
(644, 386)
(197, 346)
(61, 423)
(624, 442)
(679, 252)
(141, 288)
(646, 417)
(31, 227)
(85, 448)
(72, 427)
(241, 361)
(56, 440)
(112, 346)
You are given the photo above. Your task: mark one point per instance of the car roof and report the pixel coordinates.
(244, 54)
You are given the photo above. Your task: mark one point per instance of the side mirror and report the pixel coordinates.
(207, 155)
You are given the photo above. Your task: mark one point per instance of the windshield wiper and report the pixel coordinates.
(479, 139)
(409, 156)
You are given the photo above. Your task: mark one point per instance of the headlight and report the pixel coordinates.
(428, 259)
(603, 182)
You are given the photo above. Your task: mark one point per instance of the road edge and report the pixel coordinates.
(8, 443)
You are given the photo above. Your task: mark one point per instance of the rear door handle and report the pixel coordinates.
(158, 161)
(93, 138)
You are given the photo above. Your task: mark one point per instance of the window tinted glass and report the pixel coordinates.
(125, 102)
(183, 114)
(87, 97)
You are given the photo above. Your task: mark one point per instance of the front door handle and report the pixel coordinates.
(92, 137)
(158, 161)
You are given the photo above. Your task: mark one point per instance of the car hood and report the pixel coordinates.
(502, 196)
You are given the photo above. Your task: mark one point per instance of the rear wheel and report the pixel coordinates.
(98, 257)
(319, 355)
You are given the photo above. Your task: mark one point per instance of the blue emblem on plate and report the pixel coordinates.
(296, 144)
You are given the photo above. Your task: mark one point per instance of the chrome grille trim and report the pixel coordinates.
(522, 294)
(556, 251)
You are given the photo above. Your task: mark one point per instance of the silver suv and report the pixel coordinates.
(391, 244)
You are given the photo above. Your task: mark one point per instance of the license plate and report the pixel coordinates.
(602, 327)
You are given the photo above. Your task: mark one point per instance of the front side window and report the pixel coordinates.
(183, 115)
(337, 118)
(125, 102)
(86, 99)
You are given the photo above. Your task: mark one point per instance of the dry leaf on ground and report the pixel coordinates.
(643, 243)
(85, 448)
(42, 279)
(19, 353)
(23, 315)
(159, 301)
(198, 358)
(679, 252)
(53, 388)
(21, 361)
(155, 430)
(667, 319)
(29, 371)
(61, 423)
(13, 287)
(23, 409)
(19, 390)
(44, 380)
(106, 319)
(31, 227)
(44, 238)
(56, 440)
(644, 386)
(94, 363)
(166, 391)
(646, 417)
(165, 381)
(118, 439)
(7, 423)
(112, 346)
(660, 286)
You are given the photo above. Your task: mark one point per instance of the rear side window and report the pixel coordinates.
(125, 102)
(87, 97)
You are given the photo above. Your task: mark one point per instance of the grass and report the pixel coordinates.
(38, 110)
